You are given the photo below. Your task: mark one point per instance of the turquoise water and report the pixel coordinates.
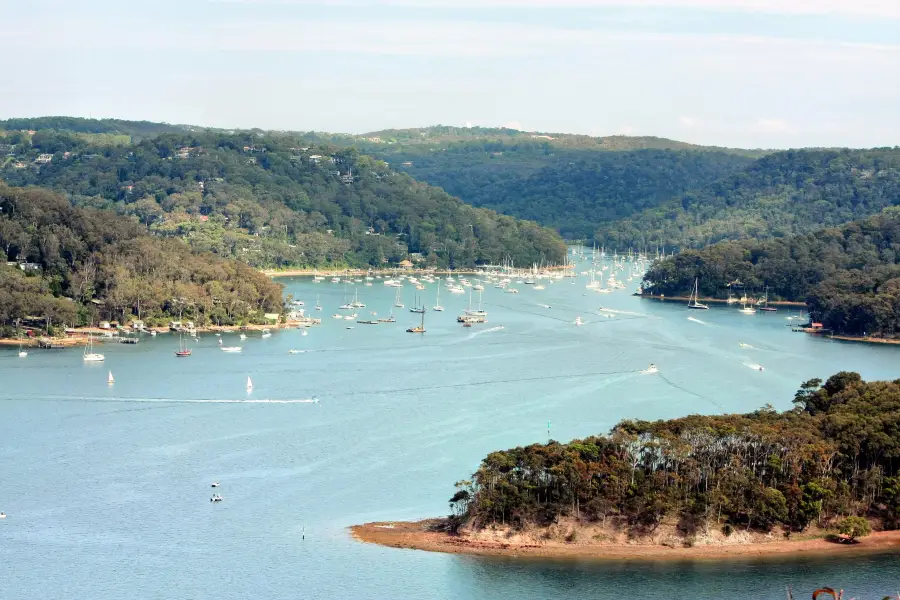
(107, 488)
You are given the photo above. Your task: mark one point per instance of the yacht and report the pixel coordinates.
(89, 354)
(693, 303)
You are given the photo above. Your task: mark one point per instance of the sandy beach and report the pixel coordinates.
(418, 536)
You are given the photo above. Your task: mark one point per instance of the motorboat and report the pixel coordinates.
(578, 322)
(216, 498)
(214, 484)
(231, 349)
(296, 351)
(650, 370)
(243, 336)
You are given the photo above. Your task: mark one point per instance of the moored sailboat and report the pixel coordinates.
(693, 303)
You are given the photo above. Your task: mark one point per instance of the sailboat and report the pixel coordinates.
(420, 328)
(397, 301)
(417, 309)
(765, 307)
(437, 307)
(249, 384)
(110, 380)
(693, 303)
(183, 351)
(746, 310)
(318, 306)
(22, 352)
(89, 354)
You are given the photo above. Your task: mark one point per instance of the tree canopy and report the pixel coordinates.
(73, 265)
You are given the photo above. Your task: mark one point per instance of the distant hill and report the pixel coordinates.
(442, 136)
(134, 129)
(782, 194)
(271, 199)
(848, 276)
(573, 187)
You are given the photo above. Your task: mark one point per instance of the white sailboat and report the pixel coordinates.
(89, 354)
(437, 307)
(397, 301)
(22, 352)
(249, 384)
(110, 379)
(318, 306)
(693, 303)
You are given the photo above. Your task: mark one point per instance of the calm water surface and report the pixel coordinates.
(107, 488)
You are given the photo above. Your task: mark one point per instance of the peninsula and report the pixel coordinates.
(808, 480)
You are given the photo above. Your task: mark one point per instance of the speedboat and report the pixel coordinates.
(216, 498)
(296, 351)
(650, 370)
(231, 348)
(215, 484)
(578, 321)
(243, 336)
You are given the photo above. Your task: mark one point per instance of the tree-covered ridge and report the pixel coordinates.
(275, 200)
(137, 129)
(438, 136)
(836, 454)
(782, 194)
(65, 265)
(574, 189)
(848, 276)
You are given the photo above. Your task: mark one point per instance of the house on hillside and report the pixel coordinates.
(405, 264)
(43, 159)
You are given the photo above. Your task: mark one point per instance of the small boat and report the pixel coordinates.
(387, 320)
(539, 287)
(693, 303)
(90, 355)
(153, 334)
(397, 302)
(420, 328)
(249, 384)
(304, 332)
(650, 370)
(110, 380)
(765, 304)
(318, 306)
(578, 322)
(183, 352)
(243, 336)
(437, 307)
(349, 327)
(215, 484)
(337, 316)
(296, 351)
(22, 353)
(2, 515)
(267, 335)
(216, 498)
(231, 349)
(511, 291)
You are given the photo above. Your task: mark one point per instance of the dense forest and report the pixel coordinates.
(271, 199)
(574, 188)
(65, 265)
(132, 129)
(782, 194)
(848, 276)
(837, 454)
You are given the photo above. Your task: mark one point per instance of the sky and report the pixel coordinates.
(741, 73)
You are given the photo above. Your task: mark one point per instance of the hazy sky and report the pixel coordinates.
(757, 73)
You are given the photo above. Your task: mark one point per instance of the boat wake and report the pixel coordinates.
(754, 366)
(498, 328)
(621, 312)
(695, 320)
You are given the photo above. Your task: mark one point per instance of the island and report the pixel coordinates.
(823, 477)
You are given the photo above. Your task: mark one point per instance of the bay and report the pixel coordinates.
(107, 487)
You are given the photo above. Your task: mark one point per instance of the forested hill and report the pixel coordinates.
(573, 185)
(835, 455)
(848, 276)
(275, 200)
(132, 129)
(64, 265)
(436, 137)
(781, 194)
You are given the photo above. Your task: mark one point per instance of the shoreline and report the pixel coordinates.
(685, 299)
(417, 535)
(300, 272)
(79, 337)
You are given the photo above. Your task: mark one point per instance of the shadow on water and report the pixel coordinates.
(479, 577)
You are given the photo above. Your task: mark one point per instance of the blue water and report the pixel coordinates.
(107, 488)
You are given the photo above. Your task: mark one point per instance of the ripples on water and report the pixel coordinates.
(107, 487)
